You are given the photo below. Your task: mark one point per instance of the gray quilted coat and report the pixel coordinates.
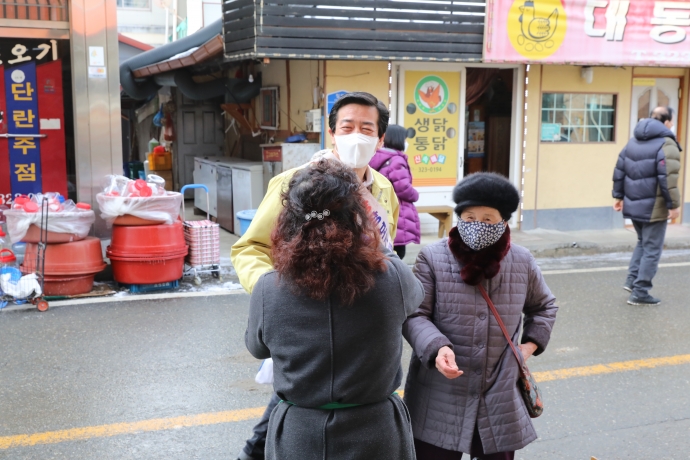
(454, 314)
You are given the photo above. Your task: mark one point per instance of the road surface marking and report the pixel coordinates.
(101, 431)
(607, 269)
(239, 415)
(623, 366)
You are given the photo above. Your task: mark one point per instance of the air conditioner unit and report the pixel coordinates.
(314, 121)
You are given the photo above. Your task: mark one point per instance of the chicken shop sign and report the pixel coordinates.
(431, 119)
(581, 32)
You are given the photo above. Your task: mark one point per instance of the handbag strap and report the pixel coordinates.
(503, 328)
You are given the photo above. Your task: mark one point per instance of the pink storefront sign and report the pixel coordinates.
(594, 32)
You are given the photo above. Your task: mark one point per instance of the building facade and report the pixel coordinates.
(60, 129)
(424, 59)
(592, 71)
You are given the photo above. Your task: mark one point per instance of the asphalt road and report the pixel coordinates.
(183, 359)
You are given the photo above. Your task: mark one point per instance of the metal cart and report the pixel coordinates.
(37, 268)
(203, 239)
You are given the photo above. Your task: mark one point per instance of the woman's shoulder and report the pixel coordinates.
(436, 249)
(436, 255)
(269, 280)
(518, 259)
(399, 157)
(520, 253)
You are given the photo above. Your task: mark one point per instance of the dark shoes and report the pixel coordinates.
(628, 287)
(643, 300)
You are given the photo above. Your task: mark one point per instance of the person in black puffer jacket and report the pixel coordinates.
(645, 186)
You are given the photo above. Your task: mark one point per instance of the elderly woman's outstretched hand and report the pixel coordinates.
(445, 363)
(527, 349)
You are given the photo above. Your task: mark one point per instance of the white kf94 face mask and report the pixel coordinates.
(356, 150)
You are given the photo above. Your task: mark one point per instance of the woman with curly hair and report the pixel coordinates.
(330, 315)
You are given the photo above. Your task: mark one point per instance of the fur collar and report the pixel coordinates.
(478, 265)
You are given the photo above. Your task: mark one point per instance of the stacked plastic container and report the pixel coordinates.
(70, 268)
(147, 254)
(72, 259)
(203, 238)
(147, 249)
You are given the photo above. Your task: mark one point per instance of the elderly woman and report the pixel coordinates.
(331, 317)
(462, 384)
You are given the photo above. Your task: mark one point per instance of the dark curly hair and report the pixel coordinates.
(338, 254)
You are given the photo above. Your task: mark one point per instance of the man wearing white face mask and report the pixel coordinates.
(357, 124)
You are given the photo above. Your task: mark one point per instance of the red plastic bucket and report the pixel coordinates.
(147, 268)
(132, 221)
(33, 235)
(147, 240)
(82, 257)
(68, 285)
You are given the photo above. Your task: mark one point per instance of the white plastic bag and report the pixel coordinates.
(164, 208)
(76, 222)
(21, 289)
(265, 374)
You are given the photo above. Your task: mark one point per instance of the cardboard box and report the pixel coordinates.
(167, 175)
(160, 162)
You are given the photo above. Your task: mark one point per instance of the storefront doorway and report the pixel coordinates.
(649, 93)
(449, 138)
(489, 99)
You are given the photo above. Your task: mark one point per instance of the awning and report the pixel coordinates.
(195, 55)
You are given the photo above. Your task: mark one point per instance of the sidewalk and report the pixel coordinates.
(553, 243)
(544, 243)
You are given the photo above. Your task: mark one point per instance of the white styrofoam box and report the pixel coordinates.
(313, 121)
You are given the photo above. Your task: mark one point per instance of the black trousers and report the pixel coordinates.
(426, 451)
(256, 445)
(400, 251)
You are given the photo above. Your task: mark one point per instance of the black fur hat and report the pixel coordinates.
(486, 189)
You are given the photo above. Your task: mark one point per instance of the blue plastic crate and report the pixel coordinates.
(140, 288)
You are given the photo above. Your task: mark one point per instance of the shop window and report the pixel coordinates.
(269, 108)
(577, 118)
(135, 4)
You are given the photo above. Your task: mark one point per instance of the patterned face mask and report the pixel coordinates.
(480, 235)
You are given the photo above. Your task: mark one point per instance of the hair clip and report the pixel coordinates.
(317, 215)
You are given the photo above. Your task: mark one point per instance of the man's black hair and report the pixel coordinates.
(360, 98)
(663, 114)
(395, 138)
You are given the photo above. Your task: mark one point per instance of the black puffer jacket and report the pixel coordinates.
(646, 174)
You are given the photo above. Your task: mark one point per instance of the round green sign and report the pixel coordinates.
(431, 94)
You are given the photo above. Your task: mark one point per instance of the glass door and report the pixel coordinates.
(649, 93)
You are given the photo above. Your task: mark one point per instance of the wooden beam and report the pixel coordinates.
(287, 74)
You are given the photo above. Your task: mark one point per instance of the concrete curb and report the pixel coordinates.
(127, 298)
(588, 249)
